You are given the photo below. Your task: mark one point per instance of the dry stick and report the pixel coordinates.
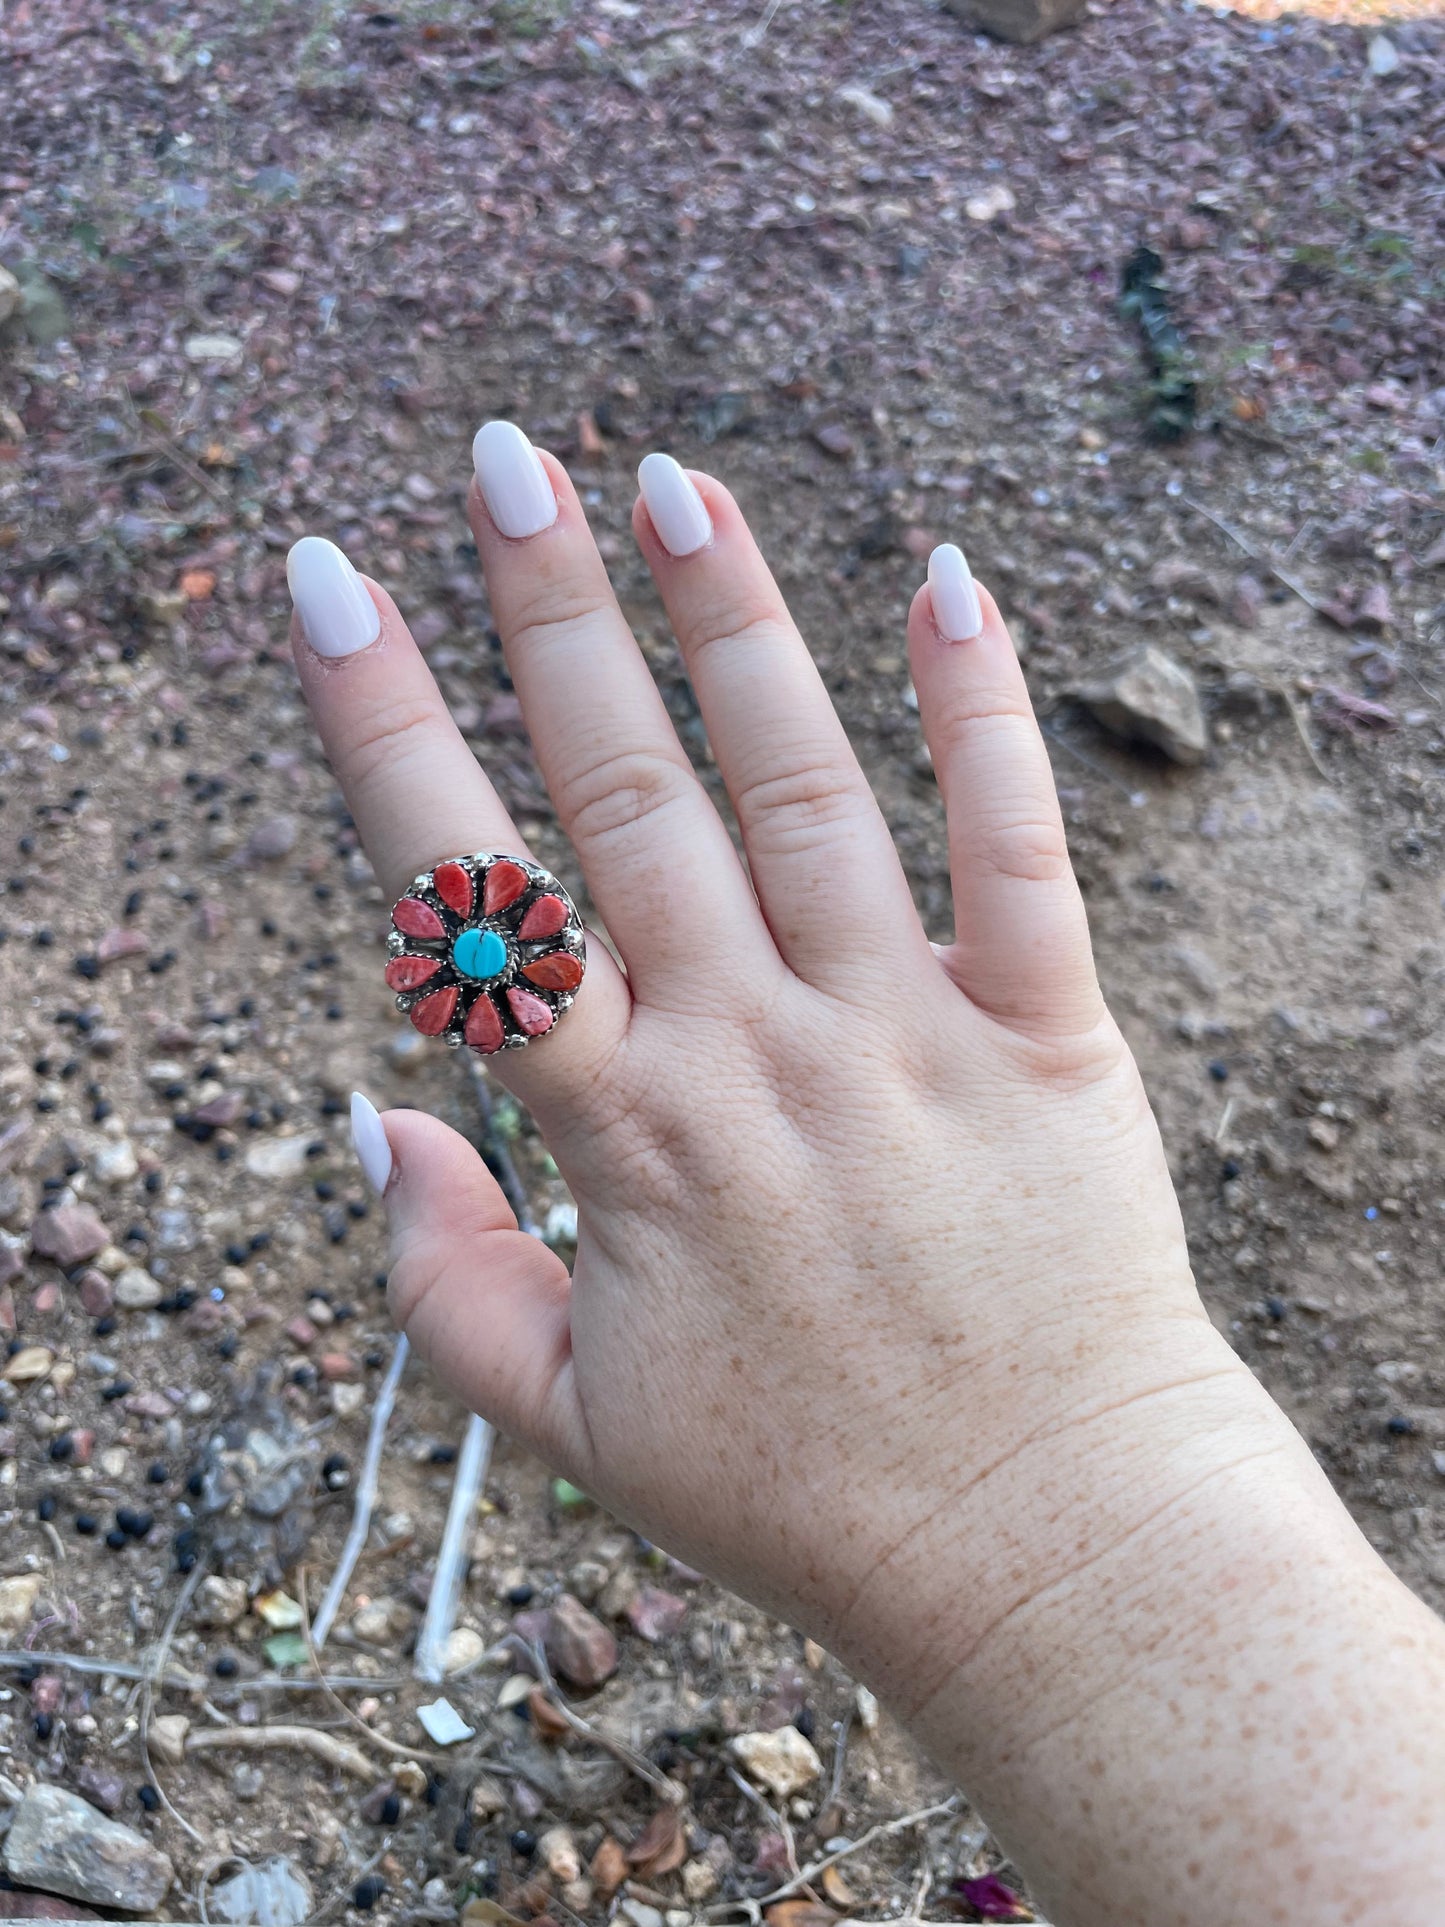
(365, 1497)
(778, 1820)
(309, 1739)
(1261, 556)
(810, 1873)
(619, 1749)
(195, 1682)
(352, 1719)
(183, 1599)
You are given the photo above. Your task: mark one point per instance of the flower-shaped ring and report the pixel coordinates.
(485, 950)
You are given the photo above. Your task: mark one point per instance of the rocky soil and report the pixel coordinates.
(267, 267)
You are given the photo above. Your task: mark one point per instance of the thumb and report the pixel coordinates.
(485, 1304)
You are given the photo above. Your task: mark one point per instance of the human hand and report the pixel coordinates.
(881, 1311)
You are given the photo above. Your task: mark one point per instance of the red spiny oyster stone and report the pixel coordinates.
(453, 885)
(432, 1015)
(532, 1015)
(410, 973)
(505, 883)
(483, 1029)
(413, 918)
(546, 917)
(560, 971)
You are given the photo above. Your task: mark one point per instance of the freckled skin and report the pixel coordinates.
(881, 1310)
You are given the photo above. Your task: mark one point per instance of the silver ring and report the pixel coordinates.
(485, 950)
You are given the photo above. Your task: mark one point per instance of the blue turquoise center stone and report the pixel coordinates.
(480, 954)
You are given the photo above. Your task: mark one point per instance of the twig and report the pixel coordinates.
(365, 1497)
(1261, 556)
(353, 1719)
(776, 1818)
(810, 1873)
(840, 1757)
(181, 1682)
(307, 1739)
(619, 1749)
(183, 1599)
(451, 1566)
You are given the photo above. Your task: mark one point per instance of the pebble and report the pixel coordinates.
(277, 1157)
(272, 1893)
(1151, 698)
(103, 1787)
(464, 1647)
(17, 1602)
(579, 1646)
(136, 1290)
(97, 1294)
(656, 1615)
(557, 1851)
(115, 1163)
(274, 838)
(782, 1761)
(69, 1235)
(168, 1737)
(203, 348)
(63, 1845)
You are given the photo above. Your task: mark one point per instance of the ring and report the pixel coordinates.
(485, 950)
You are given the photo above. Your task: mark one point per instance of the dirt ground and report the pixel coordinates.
(276, 263)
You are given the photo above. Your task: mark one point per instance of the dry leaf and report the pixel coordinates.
(486, 1913)
(546, 1719)
(799, 1913)
(661, 1847)
(609, 1867)
(837, 1890)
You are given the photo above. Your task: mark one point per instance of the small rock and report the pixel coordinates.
(17, 1602)
(988, 205)
(699, 1880)
(464, 1648)
(782, 1761)
(273, 1893)
(557, 1851)
(443, 1724)
(220, 1602)
(68, 1235)
(301, 1331)
(10, 295)
(867, 1705)
(273, 839)
(203, 348)
(62, 1844)
(124, 940)
(115, 1162)
(1383, 56)
(29, 1364)
(834, 439)
(277, 1157)
(136, 1290)
(640, 1914)
(578, 1646)
(379, 1620)
(871, 106)
(656, 1615)
(1374, 614)
(1151, 698)
(1021, 21)
(168, 1737)
(373, 1807)
(102, 1786)
(487, 1798)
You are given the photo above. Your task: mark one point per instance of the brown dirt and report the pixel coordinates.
(409, 220)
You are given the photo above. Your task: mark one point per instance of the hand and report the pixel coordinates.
(881, 1310)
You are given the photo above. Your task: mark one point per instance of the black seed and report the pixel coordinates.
(156, 1473)
(148, 1797)
(45, 1506)
(521, 1595)
(115, 1539)
(85, 1525)
(523, 1843)
(226, 1666)
(367, 1891)
(44, 1726)
(1230, 1169)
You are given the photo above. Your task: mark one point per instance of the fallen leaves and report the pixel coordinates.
(661, 1847)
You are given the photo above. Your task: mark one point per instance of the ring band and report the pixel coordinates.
(485, 950)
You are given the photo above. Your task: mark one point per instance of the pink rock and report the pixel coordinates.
(120, 942)
(579, 1646)
(483, 1029)
(97, 1294)
(11, 1264)
(221, 1110)
(546, 917)
(417, 919)
(82, 1444)
(532, 1015)
(453, 885)
(655, 1614)
(44, 1300)
(149, 1405)
(70, 1234)
(334, 1366)
(301, 1331)
(432, 1015)
(46, 1693)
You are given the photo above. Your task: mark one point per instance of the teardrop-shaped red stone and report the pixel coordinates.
(532, 1015)
(410, 973)
(413, 918)
(560, 971)
(545, 918)
(505, 883)
(454, 886)
(432, 1015)
(483, 1029)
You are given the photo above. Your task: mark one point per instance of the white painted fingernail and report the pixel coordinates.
(368, 1135)
(519, 497)
(678, 514)
(955, 599)
(337, 614)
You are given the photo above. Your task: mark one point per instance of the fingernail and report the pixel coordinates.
(337, 614)
(955, 599)
(678, 514)
(368, 1135)
(519, 496)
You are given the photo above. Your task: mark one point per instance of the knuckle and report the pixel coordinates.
(803, 804)
(1029, 849)
(619, 791)
(553, 612)
(394, 731)
(732, 624)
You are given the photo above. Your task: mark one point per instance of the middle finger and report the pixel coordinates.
(658, 861)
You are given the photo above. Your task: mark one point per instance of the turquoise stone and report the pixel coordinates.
(479, 953)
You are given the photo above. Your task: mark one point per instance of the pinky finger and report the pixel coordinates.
(1021, 950)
